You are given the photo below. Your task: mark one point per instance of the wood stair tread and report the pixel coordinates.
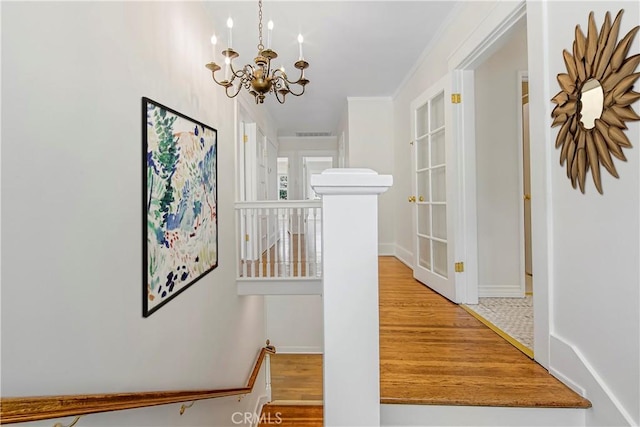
(307, 415)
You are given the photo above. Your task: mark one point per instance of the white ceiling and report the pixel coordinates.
(354, 48)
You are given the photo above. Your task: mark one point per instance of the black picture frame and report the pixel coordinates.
(179, 203)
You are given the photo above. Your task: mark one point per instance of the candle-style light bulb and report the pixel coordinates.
(230, 26)
(214, 42)
(270, 27)
(227, 67)
(300, 40)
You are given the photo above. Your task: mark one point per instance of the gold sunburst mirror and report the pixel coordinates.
(595, 101)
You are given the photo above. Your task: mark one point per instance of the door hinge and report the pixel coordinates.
(456, 98)
(459, 267)
(245, 138)
(246, 237)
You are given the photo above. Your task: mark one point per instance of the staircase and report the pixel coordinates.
(296, 391)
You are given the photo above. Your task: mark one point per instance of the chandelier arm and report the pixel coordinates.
(277, 74)
(242, 74)
(239, 74)
(279, 82)
(282, 77)
(281, 101)
(213, 75)
(297, 94)
(297, 81)
(238, 88)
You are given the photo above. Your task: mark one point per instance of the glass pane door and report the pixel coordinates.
(431, 197)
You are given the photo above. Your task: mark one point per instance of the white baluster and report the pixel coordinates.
(269, 210)
(244, 242)
(260, 248)
(300, 230)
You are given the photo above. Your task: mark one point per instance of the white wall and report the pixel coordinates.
(498, 174)
(294, 323)
(371, 146)
(594, 251)
(73, 76)
(430, 68)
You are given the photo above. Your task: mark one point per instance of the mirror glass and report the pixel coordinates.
(591, 101)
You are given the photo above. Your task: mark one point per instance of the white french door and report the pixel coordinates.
(432, 184)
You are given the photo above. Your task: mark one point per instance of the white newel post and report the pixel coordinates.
(350, 294)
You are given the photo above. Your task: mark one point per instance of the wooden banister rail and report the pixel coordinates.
(24, 409)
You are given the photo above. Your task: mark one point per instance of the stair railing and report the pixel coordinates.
(279, 239)
(35, 408)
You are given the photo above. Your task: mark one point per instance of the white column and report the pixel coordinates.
(350, 294)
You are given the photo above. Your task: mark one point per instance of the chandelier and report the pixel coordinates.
(259, 79)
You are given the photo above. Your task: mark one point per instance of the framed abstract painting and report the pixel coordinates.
(180, 221)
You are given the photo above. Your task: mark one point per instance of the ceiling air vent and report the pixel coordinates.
(312, 134)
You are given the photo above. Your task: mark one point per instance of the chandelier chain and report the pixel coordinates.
(260, 45)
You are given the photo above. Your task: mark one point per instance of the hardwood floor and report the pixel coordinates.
(292, 415)
(434, 352)
(296, 377)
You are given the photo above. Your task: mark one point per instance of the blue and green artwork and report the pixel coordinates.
(180, 203)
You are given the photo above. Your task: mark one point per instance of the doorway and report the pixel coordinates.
(312, 165)
(283, 178)
(501, 214)
(526, 184)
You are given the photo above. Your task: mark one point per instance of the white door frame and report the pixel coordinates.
(306, 178)
(300, 155)
(522, 76)
(463, 137)
(480, 44)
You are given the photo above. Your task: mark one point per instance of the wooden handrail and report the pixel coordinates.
(34, 408)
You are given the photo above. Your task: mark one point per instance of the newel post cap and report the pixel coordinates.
(350, 181)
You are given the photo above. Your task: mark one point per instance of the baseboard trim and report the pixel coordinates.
(300, 349)
(497, 291)
(405, 256)
(386, 249)
(567, 363)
